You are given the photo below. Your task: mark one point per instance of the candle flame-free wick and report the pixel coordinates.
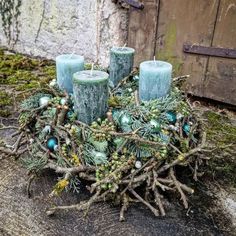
(155, 60)
(73, 52)
(124, 46)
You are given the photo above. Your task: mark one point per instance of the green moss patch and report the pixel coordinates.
(5, 102)
(22, 74)
(221, 132)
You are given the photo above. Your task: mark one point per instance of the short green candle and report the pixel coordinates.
(121, 63)
(154, 79)
(90, 95)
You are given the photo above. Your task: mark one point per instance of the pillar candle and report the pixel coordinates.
(154, 79)
(67, 65)
(121, 63)
(90, 95)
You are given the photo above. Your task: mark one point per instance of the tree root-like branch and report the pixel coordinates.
(8, 127)
(154, 210)
(177, 185)
(71, 171)
(85, 205)
(30, 180)
(125, 204)
(159, 202)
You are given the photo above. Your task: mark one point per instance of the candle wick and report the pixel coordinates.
(155, 60)
(91, 72)
(124, 46)
(73, 52)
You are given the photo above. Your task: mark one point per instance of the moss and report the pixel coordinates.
(221, 132)
(5, 102)
(30, 85)
(5, 99)
(166, 53)
(49, 73)
(23, 73)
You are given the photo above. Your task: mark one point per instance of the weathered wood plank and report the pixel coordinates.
(220, 81)
(184, 21)
(142, 31)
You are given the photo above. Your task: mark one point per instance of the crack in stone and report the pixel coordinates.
(41, 22)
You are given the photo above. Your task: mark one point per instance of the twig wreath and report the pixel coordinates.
(129, 156)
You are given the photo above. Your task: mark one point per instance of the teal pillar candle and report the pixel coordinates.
(154, 79)
(121, 63)
(90, 95)
(67, 65)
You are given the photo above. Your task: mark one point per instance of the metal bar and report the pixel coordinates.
(210, 51)
(135, 4)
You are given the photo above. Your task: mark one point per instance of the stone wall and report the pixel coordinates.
(48, 28)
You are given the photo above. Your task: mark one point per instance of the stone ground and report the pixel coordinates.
(212, 208)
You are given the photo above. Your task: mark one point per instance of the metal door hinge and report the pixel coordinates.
(210, 51)
(132, 3)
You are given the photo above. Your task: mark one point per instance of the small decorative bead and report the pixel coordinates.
(43, 101)
(63, 101)
(138, 164)
(53, 83)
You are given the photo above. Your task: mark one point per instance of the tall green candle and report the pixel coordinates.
(121, 63)
(90, 95)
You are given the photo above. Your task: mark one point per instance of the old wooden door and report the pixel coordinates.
(164, 26)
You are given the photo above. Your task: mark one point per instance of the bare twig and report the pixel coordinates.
(30, 180)
(9, 127)
(159, 202)
(125, 204)
(177, 185)
(154, 210)
(71, 171)
(85, 205)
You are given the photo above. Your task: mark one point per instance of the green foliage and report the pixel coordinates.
(33, 101)
(74, 185)
(23, 118)
(99, 146)
(91, 156)
(34, 164)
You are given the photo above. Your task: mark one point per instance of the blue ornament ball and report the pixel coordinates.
(70, 114)
(52, 143)
(186, 128)
(171, 117)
